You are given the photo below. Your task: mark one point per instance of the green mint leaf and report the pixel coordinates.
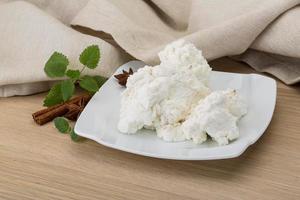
(89, 83)
(54, 96)
(90, 56)
(73, 74)
(74, 136)
(56, 65)
(100, 80)
(67, 89)
(61, 124)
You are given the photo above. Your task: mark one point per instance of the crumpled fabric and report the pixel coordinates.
(262, 33)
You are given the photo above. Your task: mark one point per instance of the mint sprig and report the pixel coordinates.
(54, 96)
(89, 83)
(90, 56)
(63, 126)
(73, 74)
(57, 66)
(100, 80)
(74, 136)
(67, 89)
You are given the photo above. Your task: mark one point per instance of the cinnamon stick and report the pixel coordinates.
(70, 109)
(73, 112)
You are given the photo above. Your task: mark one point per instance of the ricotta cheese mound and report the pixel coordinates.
(216, 115)
(168, 98)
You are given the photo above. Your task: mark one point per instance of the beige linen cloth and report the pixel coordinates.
(263, 33)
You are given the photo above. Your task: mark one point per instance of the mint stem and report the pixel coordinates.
(82, 69)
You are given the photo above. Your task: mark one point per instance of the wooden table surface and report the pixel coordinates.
(39, 163)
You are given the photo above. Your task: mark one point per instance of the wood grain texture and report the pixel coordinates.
(39, 163)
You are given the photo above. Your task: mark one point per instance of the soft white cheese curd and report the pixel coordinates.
(173, 98)
(217, 115)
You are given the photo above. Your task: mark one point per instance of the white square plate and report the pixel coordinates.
(99, 119)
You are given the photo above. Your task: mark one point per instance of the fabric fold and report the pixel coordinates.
(28, 38)
(263, 34)
(219, 28)
(287, 69)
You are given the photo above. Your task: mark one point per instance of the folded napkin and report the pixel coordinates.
(262, 33)
(28, 38)
(269, 28)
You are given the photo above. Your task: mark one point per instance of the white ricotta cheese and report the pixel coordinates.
(216, 115)
(165, 94)
(169, 98)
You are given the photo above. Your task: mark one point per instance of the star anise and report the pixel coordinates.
(122, 78)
